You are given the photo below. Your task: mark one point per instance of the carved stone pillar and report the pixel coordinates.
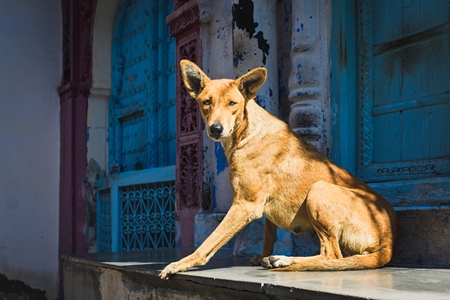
(184, 25)
(310, 69)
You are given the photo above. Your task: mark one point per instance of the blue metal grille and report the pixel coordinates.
(104, 226)
(148, 216)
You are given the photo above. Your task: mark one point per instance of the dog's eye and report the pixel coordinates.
(232, 103)
(207, 102)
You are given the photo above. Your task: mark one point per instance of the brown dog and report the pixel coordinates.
(276, 174)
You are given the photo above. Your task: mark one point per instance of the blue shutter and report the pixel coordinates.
(403, 98)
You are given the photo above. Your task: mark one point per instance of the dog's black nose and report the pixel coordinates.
(216, 130)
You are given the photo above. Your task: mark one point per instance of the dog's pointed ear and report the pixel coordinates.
(249, 83)
(193, 77)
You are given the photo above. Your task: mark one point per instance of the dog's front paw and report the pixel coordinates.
(256, 260)
(169, 270)
(275, 261)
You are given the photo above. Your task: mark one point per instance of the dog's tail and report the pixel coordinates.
(356, 262)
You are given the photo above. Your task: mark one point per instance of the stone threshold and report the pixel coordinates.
(134, 275)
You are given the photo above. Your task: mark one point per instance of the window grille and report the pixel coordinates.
(136, 212)
(148, 216)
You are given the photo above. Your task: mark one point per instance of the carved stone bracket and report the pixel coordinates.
(185, 18)
(365, 90)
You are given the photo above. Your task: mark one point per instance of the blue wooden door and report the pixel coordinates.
(137, 205)
(403, 108)
(142, 110)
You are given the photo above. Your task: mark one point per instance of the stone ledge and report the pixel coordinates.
(135, 275)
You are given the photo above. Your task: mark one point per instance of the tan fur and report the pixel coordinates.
(276, 174)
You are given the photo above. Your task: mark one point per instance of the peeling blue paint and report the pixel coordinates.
(261, 101)
(219, 32)
(221, 161)
(263, 45)
(238, 57)
(299, 78)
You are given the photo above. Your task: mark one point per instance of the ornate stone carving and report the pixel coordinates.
(77, 47)
(364, 84)
(184, 19)
(189, 114)
(189, 172)
(405, 170)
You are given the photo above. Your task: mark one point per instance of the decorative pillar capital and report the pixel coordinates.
(184, 19)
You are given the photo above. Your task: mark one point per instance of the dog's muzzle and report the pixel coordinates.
(215, 131)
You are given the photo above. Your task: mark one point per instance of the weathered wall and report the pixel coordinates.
(29, 132)
(236, 36)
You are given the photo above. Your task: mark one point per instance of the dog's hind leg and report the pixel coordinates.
(349, 220)
(329, 250)
(319, 263)
(270, 237)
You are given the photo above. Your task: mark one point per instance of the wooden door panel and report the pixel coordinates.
(396, 19)
(142, 112)
(403, 71)
(386, 144)
(134, 50)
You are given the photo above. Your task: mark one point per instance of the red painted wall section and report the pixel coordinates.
(184, 25)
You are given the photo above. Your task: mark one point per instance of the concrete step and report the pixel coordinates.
(134, 275)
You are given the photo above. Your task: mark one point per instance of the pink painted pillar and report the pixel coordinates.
(184, 25)
(78, 20)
